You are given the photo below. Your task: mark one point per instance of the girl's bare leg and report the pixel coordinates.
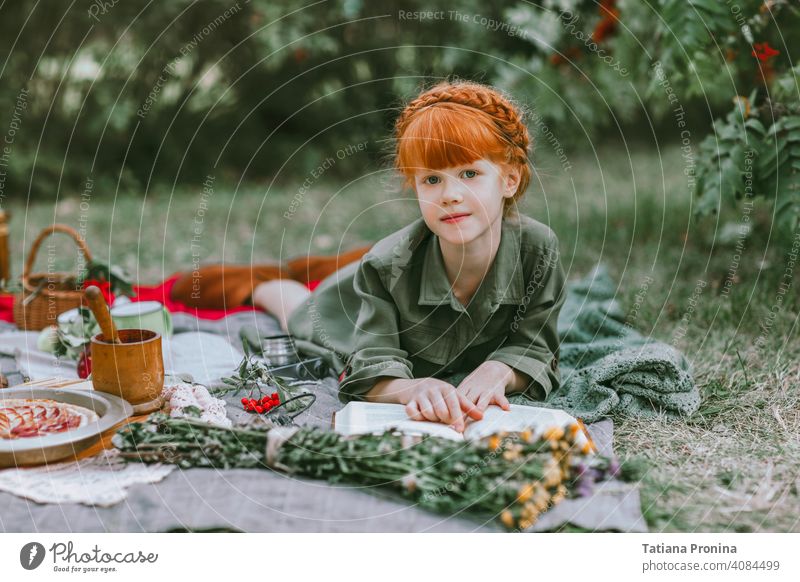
(280, 297)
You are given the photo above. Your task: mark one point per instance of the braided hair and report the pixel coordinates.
(456, 123)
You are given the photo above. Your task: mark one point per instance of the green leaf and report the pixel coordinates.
(755, 125)
(791, 122)
(711, 6)
(709, 200)
(793, 135)
(770, 155)
(731, 179)
(729, 132)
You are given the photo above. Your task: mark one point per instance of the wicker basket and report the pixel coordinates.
(47, 295)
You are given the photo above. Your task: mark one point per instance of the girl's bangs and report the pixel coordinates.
(447, 135)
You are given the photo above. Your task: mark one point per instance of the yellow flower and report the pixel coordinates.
(513, 451)
(574, 428)
(554, 433)
(525, 492)
(530, 513)
(507, 518)
(526, 435)
(541, 498)
(494, 442)
(743, 103)
(552, 473)
(560, 494)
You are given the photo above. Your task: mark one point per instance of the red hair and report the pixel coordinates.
(453, 124)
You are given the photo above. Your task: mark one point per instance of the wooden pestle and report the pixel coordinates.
(99, 307)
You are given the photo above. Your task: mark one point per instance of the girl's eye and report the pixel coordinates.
(429, 178)
(470, 173)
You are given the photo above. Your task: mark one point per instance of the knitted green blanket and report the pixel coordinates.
(609, 367)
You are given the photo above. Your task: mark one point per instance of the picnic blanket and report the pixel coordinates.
(259, 501)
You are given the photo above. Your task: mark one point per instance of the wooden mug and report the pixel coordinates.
(132, 370)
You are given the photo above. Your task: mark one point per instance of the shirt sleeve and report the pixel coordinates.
(377, 350)
(532, 347)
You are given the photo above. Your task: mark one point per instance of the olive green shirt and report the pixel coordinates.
(394, 312)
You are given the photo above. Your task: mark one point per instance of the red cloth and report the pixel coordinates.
(160, 293)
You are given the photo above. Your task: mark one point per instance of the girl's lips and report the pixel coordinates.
(455, 218)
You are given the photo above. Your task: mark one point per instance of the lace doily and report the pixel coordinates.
(101, 480)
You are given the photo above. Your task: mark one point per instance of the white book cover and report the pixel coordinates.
(373, 417)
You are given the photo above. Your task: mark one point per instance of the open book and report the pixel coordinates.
(373, 417)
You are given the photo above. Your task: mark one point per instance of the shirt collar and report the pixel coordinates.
(502, 284)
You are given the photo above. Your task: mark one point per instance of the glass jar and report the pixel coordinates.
(279, 350)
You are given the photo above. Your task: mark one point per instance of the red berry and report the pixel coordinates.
(245, 401)
(259, 409)
(85, 363)
(274, 395)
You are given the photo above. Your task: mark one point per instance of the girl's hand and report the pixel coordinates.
(437, 401)
(487, 385)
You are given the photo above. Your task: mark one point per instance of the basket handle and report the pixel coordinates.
(53, 228)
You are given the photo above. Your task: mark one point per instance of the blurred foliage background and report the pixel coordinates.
(132, 94)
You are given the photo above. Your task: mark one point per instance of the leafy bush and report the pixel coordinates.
(129, 95)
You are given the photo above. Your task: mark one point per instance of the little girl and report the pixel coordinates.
(458, 309)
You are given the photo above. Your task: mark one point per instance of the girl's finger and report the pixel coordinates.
(469, 408)
(484, 400)
(454, 408)
(471, 394)
(502, 402)
(440, 407)
(413, 412)
(426, 408)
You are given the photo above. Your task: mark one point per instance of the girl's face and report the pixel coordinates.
(462, 203)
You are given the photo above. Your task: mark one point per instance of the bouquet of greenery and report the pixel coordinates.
(512, 477)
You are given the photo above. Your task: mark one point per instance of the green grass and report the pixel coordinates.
(732, 467)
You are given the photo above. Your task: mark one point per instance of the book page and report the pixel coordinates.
(520, 417)
(374, 417)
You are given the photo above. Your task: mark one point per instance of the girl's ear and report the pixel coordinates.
(512, 178)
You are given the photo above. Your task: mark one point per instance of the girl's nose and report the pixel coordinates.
(451, 193)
